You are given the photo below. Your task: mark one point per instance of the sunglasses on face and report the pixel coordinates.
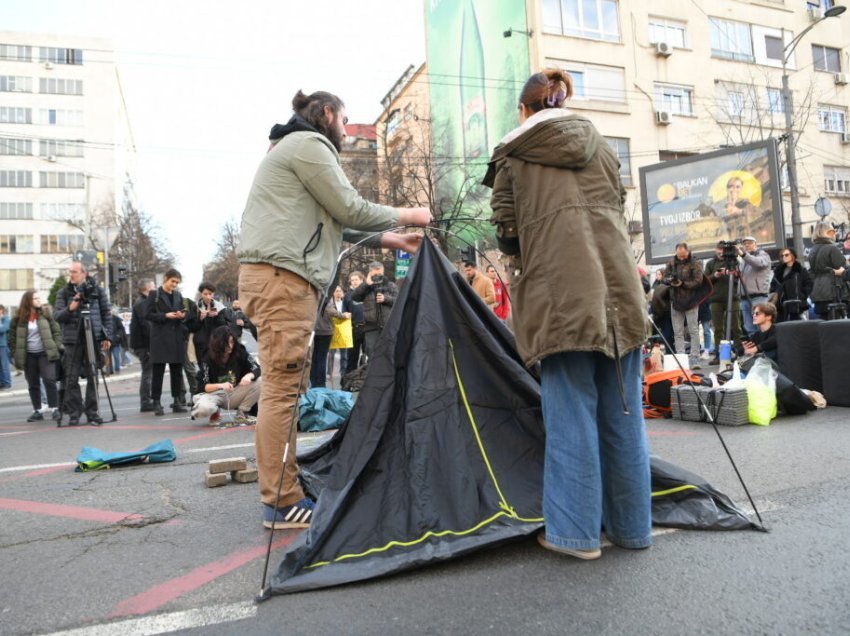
(756, 313)
(786, 254)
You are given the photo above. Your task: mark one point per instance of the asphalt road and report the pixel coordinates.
(150, 549)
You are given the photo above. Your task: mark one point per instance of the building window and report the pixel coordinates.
(16, 244)
(59, 148)
(773, 48)
(15, 84)
(59, 117)
(15, 179)
(731, 40)
(57, 86)
(620, 147)
(670, 31)
(16, 279)
(595, 19)
(62, 180)
(775, 103)
(12, 210)
(15, 115)
(62, 243)
(594, 82)
(832, 118)
(837, 180)
(12, 146)
(675, 99)
(826, 58)
(15, 53)
(735, 103)
(60, 55)
(63, 211)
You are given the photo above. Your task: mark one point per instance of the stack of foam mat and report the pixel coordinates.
(815, 354)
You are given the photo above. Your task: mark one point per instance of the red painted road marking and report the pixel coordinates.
(61, 510)
(166, 592)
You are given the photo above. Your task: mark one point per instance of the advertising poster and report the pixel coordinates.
(475, 77)
(718, 196)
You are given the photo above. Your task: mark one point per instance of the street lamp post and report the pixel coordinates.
(790, 151)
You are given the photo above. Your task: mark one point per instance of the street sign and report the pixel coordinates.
(402, 263)
(88, 258)
(823, 207)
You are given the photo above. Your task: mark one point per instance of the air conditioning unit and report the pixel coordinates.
(841, 78)
(663, 49)
(663, 118)
(48, 65)
(815, 13)
(51, 158)
(635, 227)
(845, 138)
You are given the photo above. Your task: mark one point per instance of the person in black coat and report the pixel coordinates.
(792, 284)
(168, 338)
(763, 340)
(210, 315)
(82, 293)
(140, 343)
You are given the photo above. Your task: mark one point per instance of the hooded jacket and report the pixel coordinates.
(299, 204)
(51, 339)
(688, 270)
(824, 257)
(558, 205)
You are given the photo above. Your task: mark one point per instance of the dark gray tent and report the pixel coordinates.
(443, 452)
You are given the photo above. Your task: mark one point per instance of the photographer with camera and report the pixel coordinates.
(685, 277)
(720, 270)
(754, 280)
(792, 285)
(82, 294)
(377, 293)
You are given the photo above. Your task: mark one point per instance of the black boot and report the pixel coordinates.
(179, 408)
(157, 408)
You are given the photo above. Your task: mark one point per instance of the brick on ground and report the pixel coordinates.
(228, 465)
(215, 479)
(245, 476)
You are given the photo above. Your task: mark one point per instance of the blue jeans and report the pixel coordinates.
(706, 336)
(596, 470)
(747, 312)
(115, 354)
(5, 371)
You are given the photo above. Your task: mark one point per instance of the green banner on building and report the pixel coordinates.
(475, 75)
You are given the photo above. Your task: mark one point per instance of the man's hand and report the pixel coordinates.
(749, 347)
(246, 379)
(226, 386)
(240, 323)
(105, 345)
(839, 271)
(347, 315)
(414, 216)
(379, 298)
(407, 242)
(75, 302)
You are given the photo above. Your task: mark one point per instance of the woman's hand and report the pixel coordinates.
(225, 386)
(246, 379)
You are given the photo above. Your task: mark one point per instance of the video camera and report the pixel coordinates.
(378, 282)
(730, 253)
(86, 290)
(670, 278)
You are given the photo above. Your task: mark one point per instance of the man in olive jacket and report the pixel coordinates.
(82, 292)
(718, 273)
(292, 229)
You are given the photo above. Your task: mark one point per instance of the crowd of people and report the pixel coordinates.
(761, 295)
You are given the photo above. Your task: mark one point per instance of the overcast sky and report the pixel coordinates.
(205, 81)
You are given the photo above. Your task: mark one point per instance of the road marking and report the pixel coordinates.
(16, 433)
(218, 448)
(162, 594)
(15, 469)
(61, 510)
(171, 622)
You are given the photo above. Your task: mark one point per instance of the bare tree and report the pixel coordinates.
(223, 270)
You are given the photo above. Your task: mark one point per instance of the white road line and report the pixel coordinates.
(15, 469)
(17, 433)
(167, 623)
(218, 448)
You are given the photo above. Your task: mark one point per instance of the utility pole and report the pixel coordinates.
(790, 150)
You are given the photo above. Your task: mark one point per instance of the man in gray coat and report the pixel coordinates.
(755, 280)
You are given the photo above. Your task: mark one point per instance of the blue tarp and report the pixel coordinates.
(96, 459)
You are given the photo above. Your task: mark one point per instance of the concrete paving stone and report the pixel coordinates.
(214, 480)
(245, 476)
(228, 464)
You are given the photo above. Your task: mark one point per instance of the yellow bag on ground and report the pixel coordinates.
(343, 337)
(762, 403)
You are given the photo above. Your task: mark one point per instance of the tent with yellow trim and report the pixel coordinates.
(443, 452)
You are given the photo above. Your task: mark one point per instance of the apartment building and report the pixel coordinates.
(63, 155)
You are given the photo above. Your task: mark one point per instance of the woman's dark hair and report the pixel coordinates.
(26, 308)
(311, 108)
(219, 339)
(548, 89)
(173, 273)
(206, 285)
(793, 252)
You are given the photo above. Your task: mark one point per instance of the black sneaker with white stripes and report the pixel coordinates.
(298, 515)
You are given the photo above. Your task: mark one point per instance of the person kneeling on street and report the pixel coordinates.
(229, 377)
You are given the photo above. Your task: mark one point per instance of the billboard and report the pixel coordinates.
(717, 196)
(475, 78)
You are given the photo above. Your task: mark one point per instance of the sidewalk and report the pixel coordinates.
(19, 382)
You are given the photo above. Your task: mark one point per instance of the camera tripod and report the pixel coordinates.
(837, 309)
(85, 357)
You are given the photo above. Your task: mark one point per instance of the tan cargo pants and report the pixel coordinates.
(283, 307)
